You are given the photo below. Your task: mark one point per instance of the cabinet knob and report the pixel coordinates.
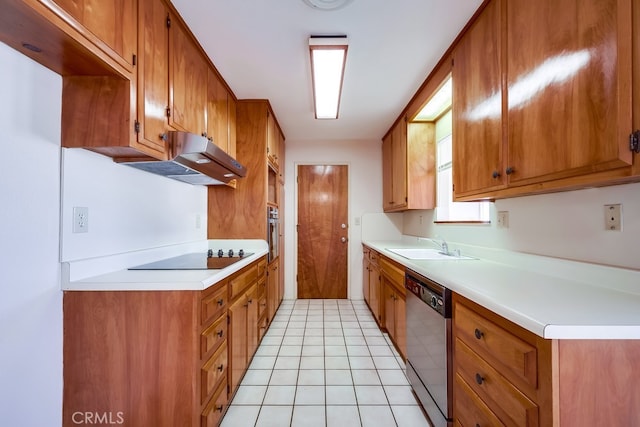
(510, 170)
(163, 136)
(495, 174)
(479, 379)
(219, 408)
(221, 367)
(478, 333)
(220, 333)
(221, 301)
(204, 134)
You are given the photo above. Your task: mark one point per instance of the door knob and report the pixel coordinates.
(343, 239)
(343, 226)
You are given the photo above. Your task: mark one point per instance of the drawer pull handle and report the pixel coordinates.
(221, 367)
(479, 379)
(220, 333)
(219, 408)
(478, 333)
(220, 302)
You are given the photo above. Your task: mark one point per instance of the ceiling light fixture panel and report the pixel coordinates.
(328, 58)
(327, 4)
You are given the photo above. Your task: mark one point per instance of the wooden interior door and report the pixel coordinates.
(322, 231)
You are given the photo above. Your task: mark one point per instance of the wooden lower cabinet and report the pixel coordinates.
(502, 372)
(371, 283)
(160, 358)
(394, 303)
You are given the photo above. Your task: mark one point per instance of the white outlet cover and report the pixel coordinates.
(80, 220)
(613, 217)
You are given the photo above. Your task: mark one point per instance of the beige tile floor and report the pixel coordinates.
(325, 363)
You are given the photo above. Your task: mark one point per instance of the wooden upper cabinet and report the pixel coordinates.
(399, 165)
(477, 105)
(217, 111)
(272, 140)
(187, 81)
(153, 76)
(232, 105)
(569, 87)
(112, 22)
(387, 190)
(408, 167)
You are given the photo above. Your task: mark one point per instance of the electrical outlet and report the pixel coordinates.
(80, 220)
(356, 220)
(198, 222)
(503, 219)
(613, 217)
(421, 220)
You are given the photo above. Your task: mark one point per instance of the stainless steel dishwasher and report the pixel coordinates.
(429, 346)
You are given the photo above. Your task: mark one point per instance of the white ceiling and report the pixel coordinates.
(261, 49)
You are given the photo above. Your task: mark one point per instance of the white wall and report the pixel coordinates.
(129, 209)
(31, 302)
(364, 159)
(40, 183)
(565, 225)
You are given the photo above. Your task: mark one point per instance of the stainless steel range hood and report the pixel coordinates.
(195, 160)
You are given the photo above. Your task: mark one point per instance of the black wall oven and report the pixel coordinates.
(429, 345)
(273, 232)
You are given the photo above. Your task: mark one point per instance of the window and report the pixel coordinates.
(438, 110)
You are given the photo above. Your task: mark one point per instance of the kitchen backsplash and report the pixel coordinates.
(565, 225)
(128, 210)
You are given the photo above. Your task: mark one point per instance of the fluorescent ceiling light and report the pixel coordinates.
(328, 57)
(438, 104)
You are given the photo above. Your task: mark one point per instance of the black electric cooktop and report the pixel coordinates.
(195, 261)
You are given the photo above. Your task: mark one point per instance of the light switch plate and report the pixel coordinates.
(503, 219)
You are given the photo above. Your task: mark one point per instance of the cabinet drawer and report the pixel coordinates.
(262, 327)
(243, 280)
(213, 336)
(469, 409)
(394, 273)
(499, 394)
(212, 413)
(262, 305)
(262, 267)
(213, 304)
(485, 337)
(212, 371)
(373, 257)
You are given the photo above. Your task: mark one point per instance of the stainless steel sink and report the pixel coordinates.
(425, 254)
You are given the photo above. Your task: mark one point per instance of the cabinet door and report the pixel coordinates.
(375, 292)
(252, 320)
(569, 79)
(238, 337)
(477, 106)
(401, 324)
(187, 81)
(153, 75)
(389, 308)
(272, 290)
(399, 165)
(365, 277)
(217, 111)
(272, 139)
(113, 22)
(387, 177)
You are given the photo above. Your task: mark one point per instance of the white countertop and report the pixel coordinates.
(111, 274)
(553, 298)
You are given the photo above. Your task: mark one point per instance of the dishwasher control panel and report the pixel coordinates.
(434, 295)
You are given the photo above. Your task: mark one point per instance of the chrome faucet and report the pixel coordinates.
(443, 246)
